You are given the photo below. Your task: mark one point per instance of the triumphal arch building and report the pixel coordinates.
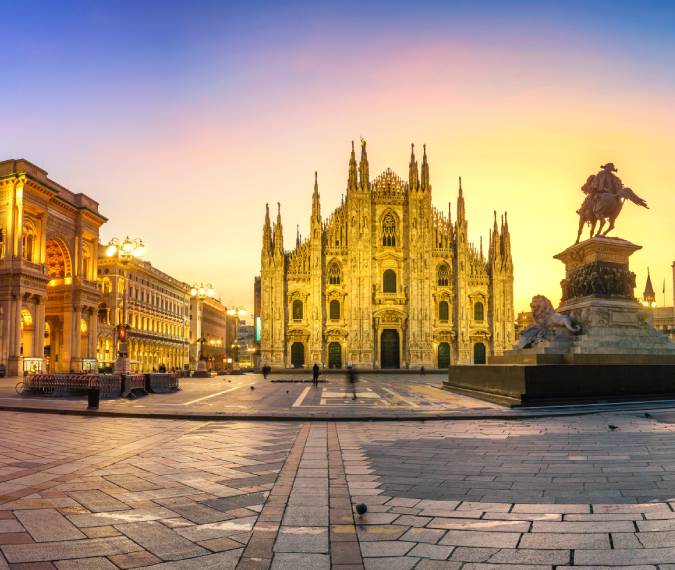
(48, 290)
(387, 281)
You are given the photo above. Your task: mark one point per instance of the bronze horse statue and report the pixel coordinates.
(604, 203)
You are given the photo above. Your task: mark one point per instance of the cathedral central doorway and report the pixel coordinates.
(334, 355)
(443, 355)
(479, 353)
(297, 355)
(389, 349)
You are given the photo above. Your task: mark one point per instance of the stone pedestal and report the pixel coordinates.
(617, 354)
(597, 293)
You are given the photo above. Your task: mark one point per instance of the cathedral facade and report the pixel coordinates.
(386, 281)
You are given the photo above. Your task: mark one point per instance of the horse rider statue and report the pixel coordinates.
(605, 195)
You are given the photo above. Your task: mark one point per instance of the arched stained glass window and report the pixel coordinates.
(334, 310)
(389, 281)
(478, 311)
(443, 275)
(389, 230)
(297, 309)
(334, 277)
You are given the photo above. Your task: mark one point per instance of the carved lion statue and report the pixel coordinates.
(546, 320)
(544, 315)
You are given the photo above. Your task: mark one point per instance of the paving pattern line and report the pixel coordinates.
(211, 396)
(258, 552)
(301, 398)
(399, 397)
(345, 548)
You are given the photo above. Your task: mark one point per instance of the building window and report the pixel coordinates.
(443, 275)
(334, 310)
(297, 310)
(29, 239)
(334, 274)
(478, 311)
(443, 311)
(86, 263)
(389, 281)
(389, 230)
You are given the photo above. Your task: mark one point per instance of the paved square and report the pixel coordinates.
(79, 492)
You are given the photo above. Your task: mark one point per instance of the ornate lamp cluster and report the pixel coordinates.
(202, 291)
(126, 249)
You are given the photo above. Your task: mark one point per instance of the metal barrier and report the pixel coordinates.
(59, 384)
(110, 385)
(162, 382)
(133, 383)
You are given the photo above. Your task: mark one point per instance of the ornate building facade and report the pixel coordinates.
(212, 332)
(387, 281)
(157, 313)
(48, 294)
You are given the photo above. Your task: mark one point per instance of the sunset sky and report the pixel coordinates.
(183, 118)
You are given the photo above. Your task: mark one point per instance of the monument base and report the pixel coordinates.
(599, 346)
(527, 385)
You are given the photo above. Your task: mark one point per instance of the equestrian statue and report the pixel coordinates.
(605, 195)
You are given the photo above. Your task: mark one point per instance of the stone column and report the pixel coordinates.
(39, 327)
(92, 327)
(75, 338)
(14, 336)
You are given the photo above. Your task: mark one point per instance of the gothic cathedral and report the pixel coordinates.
(387, 281)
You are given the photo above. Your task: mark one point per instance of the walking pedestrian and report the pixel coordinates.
(265, 371)
(352, 379)
(315, 375)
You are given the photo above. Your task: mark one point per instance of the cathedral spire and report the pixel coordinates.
(316, 203)
(506, 238)
(297, 235)
(267, 231)
(495, 243)
(426, 185)
(413, 174)
(481, 247)
(363, 167)
(450, 213)
(352, 181)
(460, 203)
(278, 232)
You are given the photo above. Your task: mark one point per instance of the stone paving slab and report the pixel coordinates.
(141, 493)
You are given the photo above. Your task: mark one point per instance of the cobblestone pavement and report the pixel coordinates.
(593, 491)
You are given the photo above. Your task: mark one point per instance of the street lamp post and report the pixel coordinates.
(124, 251)
(238, 313)
(199, 292)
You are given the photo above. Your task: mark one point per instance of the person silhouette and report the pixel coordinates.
(315, 375)
(352, 379)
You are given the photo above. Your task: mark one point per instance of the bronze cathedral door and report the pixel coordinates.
(389, 349)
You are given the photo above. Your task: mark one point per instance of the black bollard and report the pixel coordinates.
(93, 398)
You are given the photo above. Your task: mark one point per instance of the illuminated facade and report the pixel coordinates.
(211, 333)
(48, 293)
(387, 281)
(157, 311)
